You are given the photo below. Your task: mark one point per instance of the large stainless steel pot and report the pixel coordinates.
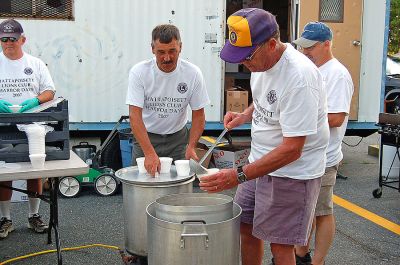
(139, 190)
(193, 242)
(210, 208)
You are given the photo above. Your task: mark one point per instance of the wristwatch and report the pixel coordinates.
(241, 176)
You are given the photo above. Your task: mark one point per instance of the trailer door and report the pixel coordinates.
(345, 20)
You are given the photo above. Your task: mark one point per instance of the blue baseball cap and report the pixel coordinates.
(314, 32)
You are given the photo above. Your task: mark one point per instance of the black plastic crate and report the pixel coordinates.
(56, 117)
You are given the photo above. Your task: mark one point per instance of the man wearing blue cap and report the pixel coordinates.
(279, 187)
(316, 43)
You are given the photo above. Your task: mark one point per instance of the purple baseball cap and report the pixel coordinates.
(248, 27)
(10, 28)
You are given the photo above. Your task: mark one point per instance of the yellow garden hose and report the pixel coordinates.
(54, 250)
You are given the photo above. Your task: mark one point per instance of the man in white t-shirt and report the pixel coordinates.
(316, 44)
(26, 81)
(159, 93)
(289, 133)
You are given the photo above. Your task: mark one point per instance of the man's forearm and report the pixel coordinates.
(140, 132)
(287, 152)
(198, 123)
(249, 112)
(46, 95)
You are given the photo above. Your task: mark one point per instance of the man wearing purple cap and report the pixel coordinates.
(279, 187)
(316, 44)
(24, 80)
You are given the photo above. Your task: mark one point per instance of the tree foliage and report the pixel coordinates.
(394, 29)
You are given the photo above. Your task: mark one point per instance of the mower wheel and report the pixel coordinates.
(69, 187)
(106, 184)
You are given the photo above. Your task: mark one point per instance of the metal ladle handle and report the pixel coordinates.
(213, 146)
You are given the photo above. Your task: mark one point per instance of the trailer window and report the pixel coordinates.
(331, 10)
(41, 9)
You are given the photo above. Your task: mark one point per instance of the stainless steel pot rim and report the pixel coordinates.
(131, 175)
(151, 208)
(195, 200)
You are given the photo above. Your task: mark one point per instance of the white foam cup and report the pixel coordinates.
(182, 167)
(165, 164)
(37, 160)
(36, 139)
(140, 164)
(210, 171)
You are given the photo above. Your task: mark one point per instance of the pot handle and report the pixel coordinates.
(194, 228)
(82, 143)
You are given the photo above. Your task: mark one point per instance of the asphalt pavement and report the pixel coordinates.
(91, 219)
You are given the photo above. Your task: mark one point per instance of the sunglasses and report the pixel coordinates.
(250, 57)
(12, 39)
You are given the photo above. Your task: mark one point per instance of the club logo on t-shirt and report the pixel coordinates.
(271, 97)
(28, 71)
(182, 88)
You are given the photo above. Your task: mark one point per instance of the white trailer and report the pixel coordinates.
(90, 45)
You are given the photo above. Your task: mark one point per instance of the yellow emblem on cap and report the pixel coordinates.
(239, 31)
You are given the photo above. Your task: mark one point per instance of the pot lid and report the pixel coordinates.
(131, 175)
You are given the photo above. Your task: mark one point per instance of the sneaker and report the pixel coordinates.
(36, 224)
(6, 226)
(306, 260)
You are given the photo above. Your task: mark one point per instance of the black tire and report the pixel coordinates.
(377, 193)
(69, 187)
(106, 185)
(111, 156)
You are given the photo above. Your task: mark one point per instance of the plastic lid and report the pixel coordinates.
(131, 175)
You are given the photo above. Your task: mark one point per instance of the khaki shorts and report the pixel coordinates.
(325, 198)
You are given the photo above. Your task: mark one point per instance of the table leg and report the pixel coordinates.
(53, 223)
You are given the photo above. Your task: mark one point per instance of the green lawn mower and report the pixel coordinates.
(103, 164)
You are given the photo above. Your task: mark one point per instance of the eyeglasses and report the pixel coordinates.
(250, 57)
(12, 39)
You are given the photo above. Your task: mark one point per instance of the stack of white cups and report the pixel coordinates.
(36, 139)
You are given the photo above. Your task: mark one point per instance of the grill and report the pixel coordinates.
(389, 157)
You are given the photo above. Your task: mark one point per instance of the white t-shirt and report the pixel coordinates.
(339, 90)
(290, 100)
(164, 97)
(23, 79)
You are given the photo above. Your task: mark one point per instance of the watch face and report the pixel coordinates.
(241, 177)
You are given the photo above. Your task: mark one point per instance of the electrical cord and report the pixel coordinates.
(355, 144)
(55, 250)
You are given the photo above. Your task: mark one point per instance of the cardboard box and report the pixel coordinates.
(19, 196)
(201, 150)
(236, 99)
(231, 156)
